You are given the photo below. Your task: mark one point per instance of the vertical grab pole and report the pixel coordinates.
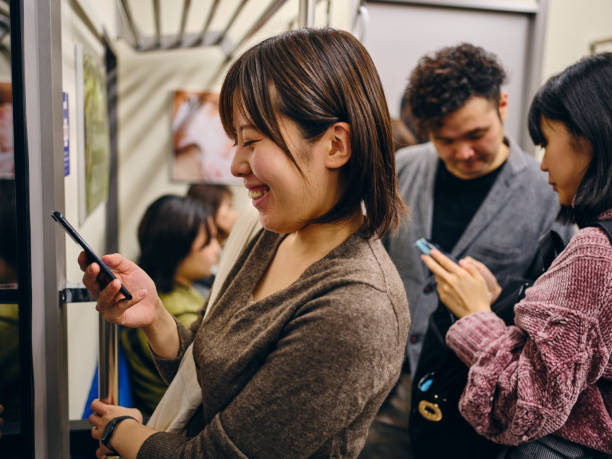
(306, 13)
(108, 378)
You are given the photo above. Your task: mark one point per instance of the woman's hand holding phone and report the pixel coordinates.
(145, 310)
(461, 287)
(138, 312)
(492, 284)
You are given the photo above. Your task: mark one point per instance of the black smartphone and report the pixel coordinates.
(426, 246)
(105, 275)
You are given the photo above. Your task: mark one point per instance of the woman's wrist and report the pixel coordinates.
(162, 334)
(129, 437)
(111, 426)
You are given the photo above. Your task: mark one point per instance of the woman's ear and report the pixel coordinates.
(340, 146)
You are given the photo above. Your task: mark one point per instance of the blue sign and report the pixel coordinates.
(66, 136)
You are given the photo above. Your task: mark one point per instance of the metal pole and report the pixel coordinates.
(306, 13)
(157, 17)
(108, 387)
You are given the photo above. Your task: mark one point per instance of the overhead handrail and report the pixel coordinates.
(306, 13)
(157, 17)
(125, 8)
(186, 7)
(209, 18)
(594, 44)
(235, 14)
(273, 7)
(361, 22)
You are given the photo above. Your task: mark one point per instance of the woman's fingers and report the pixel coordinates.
(108, 294)
(103, 451)
(90, 279)
(117, 262)
(83, 262)
(434, 267)
(448, 264)
(471, 268)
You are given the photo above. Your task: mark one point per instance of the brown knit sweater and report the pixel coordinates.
(302, 372)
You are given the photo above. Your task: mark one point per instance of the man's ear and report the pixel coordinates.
(503, 105)
(340, 145)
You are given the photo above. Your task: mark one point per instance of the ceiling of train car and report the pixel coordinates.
(156, 24)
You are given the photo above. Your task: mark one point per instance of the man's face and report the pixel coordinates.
(470, 140)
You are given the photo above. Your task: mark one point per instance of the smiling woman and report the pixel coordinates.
(307, 336)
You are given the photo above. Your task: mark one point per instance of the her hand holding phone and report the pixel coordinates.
(460, 285)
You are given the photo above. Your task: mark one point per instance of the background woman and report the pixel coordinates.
(551, 372)
(178, 246)
(219, 199)
(307, 337)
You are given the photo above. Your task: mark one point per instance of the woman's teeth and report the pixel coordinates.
(256, 194)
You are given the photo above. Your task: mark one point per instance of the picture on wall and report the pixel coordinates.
(7, 159)
(201, 150)
(93, 132)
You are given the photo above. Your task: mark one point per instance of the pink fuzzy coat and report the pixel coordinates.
(551, 372)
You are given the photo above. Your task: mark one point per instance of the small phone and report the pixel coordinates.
(426, 246)
(106, 275)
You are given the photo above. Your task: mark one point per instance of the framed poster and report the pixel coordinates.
(94, 141)
(201, 151)
(7, 158)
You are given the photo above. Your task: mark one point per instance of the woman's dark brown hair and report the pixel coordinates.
(166, 233)
(579, 97)
(317, 77)
(211, 195)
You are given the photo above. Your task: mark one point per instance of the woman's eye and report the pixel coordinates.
(249, 142)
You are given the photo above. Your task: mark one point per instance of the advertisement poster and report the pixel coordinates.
(7, 159)
(201, 151)
(93, 133)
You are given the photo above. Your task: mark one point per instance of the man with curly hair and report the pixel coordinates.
(470, 189)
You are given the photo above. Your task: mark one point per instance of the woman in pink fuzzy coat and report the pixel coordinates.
(548, 377)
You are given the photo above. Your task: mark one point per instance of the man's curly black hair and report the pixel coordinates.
(442, 83)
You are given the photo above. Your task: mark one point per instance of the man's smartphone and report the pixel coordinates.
(426, 246)
(106, 275)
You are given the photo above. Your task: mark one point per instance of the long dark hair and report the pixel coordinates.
(166, 233)
(317, 77)
(580, 98)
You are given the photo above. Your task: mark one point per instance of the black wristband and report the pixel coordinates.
(110, 429)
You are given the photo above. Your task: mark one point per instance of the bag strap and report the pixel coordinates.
(550, 245)
(605, 225)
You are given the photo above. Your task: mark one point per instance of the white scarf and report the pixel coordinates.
(184, 395)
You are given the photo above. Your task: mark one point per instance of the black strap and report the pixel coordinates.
(605, 225)
(109, 429)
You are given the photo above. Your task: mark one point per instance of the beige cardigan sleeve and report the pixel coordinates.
(184, 395)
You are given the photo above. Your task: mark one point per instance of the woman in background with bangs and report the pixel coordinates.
(306, 339)
(178, 246)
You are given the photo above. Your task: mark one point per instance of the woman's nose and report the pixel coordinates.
(240, 165)
(544, 163)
